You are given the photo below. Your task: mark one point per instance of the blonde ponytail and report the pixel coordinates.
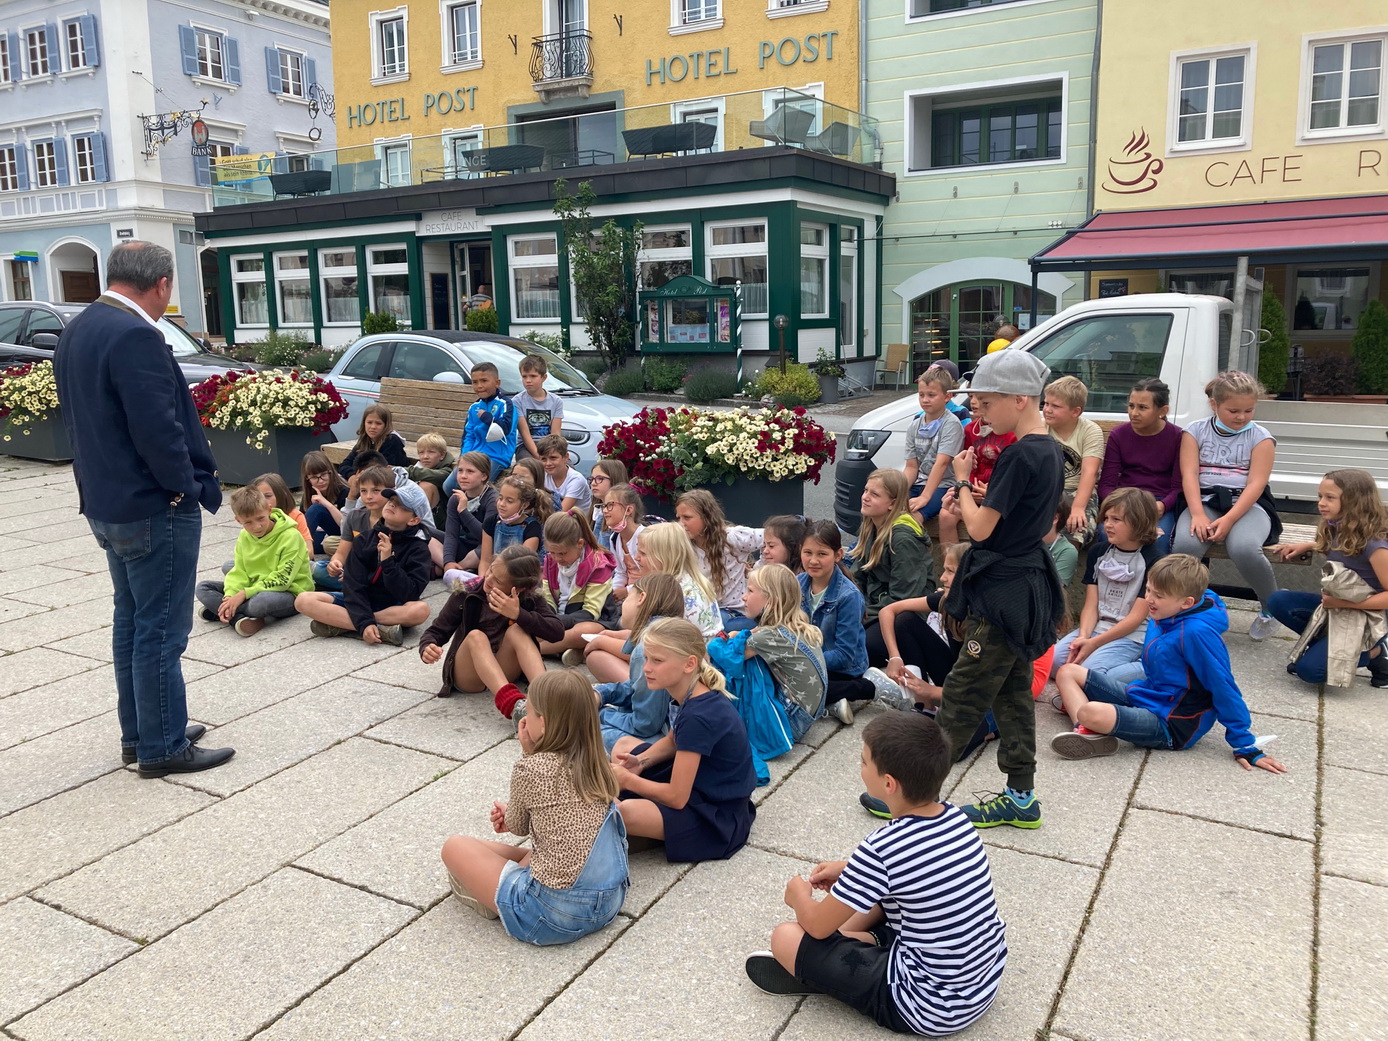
(713, 679)
(684, 640)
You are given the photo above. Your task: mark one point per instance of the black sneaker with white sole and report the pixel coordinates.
(766, 972)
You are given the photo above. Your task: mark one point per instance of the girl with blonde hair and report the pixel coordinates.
(789, 643)
(666, 548)
(630, 711)
(892, 561)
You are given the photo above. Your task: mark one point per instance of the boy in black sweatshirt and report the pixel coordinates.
(385, 575)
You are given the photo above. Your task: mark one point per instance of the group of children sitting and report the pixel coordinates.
(715, 647)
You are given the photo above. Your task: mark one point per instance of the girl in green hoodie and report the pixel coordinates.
(892, 561)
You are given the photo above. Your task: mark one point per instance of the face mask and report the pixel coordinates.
(1113, 569)
(619, 527)
(930, 429)
(515, 518)
(1230, 430)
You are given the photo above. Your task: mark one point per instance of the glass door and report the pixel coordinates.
(959, 321)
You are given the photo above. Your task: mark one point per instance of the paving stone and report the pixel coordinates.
(43, 952)
(412, 989)
(153, 885)
(1356, 728)
(1204, 781)
(56, 762)
(1353, 961)
(95, 643)
(42, 710)
(651, 875)
(59, 835)
(396, 852)
(76, 590)
(12, 608)
(461, 727)
(232, 970)
(47, 626)
(1260, 669)
(37, 666)
(1234, 964)
(1354, 841)
(17, 553)
(646, 979)
(406, 670)
(220, 644)
(36, 576)
(1038, 947)
(285, 733)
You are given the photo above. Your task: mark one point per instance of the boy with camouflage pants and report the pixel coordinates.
(1007, 591)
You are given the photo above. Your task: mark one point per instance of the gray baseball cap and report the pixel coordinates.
(410, 496)
(1010, 372)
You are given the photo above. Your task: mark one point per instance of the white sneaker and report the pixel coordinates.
(1262, 627)
(842, 711)
(890, 694)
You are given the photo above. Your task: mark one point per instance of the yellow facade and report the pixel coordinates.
(1140, 164)
(635, 56)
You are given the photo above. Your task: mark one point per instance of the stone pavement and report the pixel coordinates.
(296, 894)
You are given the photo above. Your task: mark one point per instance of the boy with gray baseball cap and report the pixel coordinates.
(1006, 591)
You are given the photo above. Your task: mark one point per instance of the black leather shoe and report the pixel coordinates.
(193, 733)
(190, 760)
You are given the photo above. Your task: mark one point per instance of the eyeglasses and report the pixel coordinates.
(321, 475)
(599, 477)
(610, 506)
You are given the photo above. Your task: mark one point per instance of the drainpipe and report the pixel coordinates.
(862, 56)
(1093, 124)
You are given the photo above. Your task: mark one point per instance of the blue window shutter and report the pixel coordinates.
(99, 156)
(202, 171)
(55, 56)
(272, 70)
(21, 167)
(60, 160)
(310, 73)
(240, 150)
(16, 59)
(188, 43)
(90, 41)
(231, 53)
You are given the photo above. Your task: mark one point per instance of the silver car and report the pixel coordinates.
(447, 356)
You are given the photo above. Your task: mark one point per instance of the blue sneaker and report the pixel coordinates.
(1003, 809)
(876, 807)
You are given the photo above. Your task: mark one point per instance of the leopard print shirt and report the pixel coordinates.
(545, 806)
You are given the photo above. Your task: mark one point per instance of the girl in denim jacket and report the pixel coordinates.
(835, 605)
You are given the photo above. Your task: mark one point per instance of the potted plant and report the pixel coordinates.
(829, 370)
(265, 421)
(33, 425)
(755, 462)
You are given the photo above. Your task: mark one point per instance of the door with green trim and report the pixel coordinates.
(958, 321)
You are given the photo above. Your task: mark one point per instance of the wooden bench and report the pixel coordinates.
(419, 407)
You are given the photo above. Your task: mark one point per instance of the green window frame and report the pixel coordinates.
(1006, 132)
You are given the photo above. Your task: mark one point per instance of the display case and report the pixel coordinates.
(689, 315)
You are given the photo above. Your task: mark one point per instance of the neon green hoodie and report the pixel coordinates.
(276, 563)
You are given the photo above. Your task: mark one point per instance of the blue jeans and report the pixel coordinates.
(320, 524)
(1113, 655)
(1294, 610)
(1137, 726)
(153, 564)
(1166, 522)
(734, 620)
(537, 914)
(322, 580)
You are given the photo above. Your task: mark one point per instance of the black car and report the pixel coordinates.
(29, 330)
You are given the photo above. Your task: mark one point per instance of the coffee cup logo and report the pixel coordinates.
(1135, 170)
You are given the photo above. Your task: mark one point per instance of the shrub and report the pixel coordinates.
(482, 319)
(1371, 349)
(624, 382)
(1273, 355)
(1330, 375)
(244, 351)
(593, 368)
(321, 360)
(797, 382)
(664, 375)
(281, 350)
(379, 322)
(704, 385)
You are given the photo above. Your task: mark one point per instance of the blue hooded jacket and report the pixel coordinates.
(1189, 682)
(481, 415)
(840, 618)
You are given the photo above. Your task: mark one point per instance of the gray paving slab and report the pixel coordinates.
(11, 608)
(1352, 1001)
(450, 974)
(76, 590)
(1260, 669)
(154, 885)
(678, 971)
(56, 762)
(228, 973)
(406, 670)
(18, 553)
(1354, 840)
(47, 626)
(1038, 948)
(292, 730)
(1205, 781)
(651, 875)
(396, 852)
(1356, 728)
(36, 576)
(47, 840)
(53, 706)
(39, 666)
(1221, 947)
(95, 643)
(461, 727)
(220, 644)
(43, 952)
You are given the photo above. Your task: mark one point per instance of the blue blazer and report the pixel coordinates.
(135, 431)
(840, 618)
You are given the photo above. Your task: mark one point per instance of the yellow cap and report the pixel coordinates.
(997, 345)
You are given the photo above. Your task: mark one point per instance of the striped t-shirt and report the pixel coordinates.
(930, 874)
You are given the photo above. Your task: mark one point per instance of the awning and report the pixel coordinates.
(1354, 228)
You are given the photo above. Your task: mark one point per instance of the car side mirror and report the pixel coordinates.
(44, 341)
(449, 377)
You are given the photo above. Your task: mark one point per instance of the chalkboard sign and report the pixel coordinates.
(1112, 287)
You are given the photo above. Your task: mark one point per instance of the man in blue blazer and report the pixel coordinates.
(144, 470)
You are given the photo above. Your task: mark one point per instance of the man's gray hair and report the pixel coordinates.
(139, 265)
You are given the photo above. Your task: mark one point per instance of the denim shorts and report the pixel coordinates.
(1137, 726)
(535, 913)
(338, 598)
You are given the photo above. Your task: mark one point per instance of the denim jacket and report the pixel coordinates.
(840, 618)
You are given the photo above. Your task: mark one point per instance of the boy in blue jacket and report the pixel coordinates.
(491, 409)
(1188, 683)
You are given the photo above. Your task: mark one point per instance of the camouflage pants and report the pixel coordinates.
(986, 676)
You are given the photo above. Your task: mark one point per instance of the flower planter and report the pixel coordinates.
(655, 506)
(750, 500)
(828, 390)
(240, 463)
(46, 439)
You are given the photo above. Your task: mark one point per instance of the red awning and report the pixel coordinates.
(1354, 228)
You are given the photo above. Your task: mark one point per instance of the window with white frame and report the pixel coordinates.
(782, 8)
(45, 164)
(36, 51)
(1346, 85)
(6, 70)
(293, 293)
(708, 110)
(76, 46)
(9, 168)
(693, 15)
(534, 264)
(337, 278)
(848, 290)
(667, 251)
(395, 163)
(388, 281)
(1024, 124)
(210, 54)
(1210, 98)
(925, 8)
(462, 32)
(456, 149)
(1330, 299)
(389, 43)
(84, 159)
(248, 290)
(814, 270)
(292, 74)
(736, 252)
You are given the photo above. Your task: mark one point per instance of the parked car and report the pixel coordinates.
(29, 330)
(447, 356)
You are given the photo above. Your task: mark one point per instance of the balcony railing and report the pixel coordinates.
(562, 56)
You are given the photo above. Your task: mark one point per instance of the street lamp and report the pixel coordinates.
(780, 322)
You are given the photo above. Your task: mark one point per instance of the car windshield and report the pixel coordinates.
(179, 342)
(507, 355)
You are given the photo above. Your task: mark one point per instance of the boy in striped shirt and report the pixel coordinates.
(908, 932)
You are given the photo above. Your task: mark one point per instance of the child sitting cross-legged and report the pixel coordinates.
(788, 642)
(908, 931)
(1188, 682)
(573, 878)
(387, 569)
(270, 568)
(357, 520)
(1082, 442)
(324, 492)
(835, 606)
(275, 491)
(578, 573)
(631, 712)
